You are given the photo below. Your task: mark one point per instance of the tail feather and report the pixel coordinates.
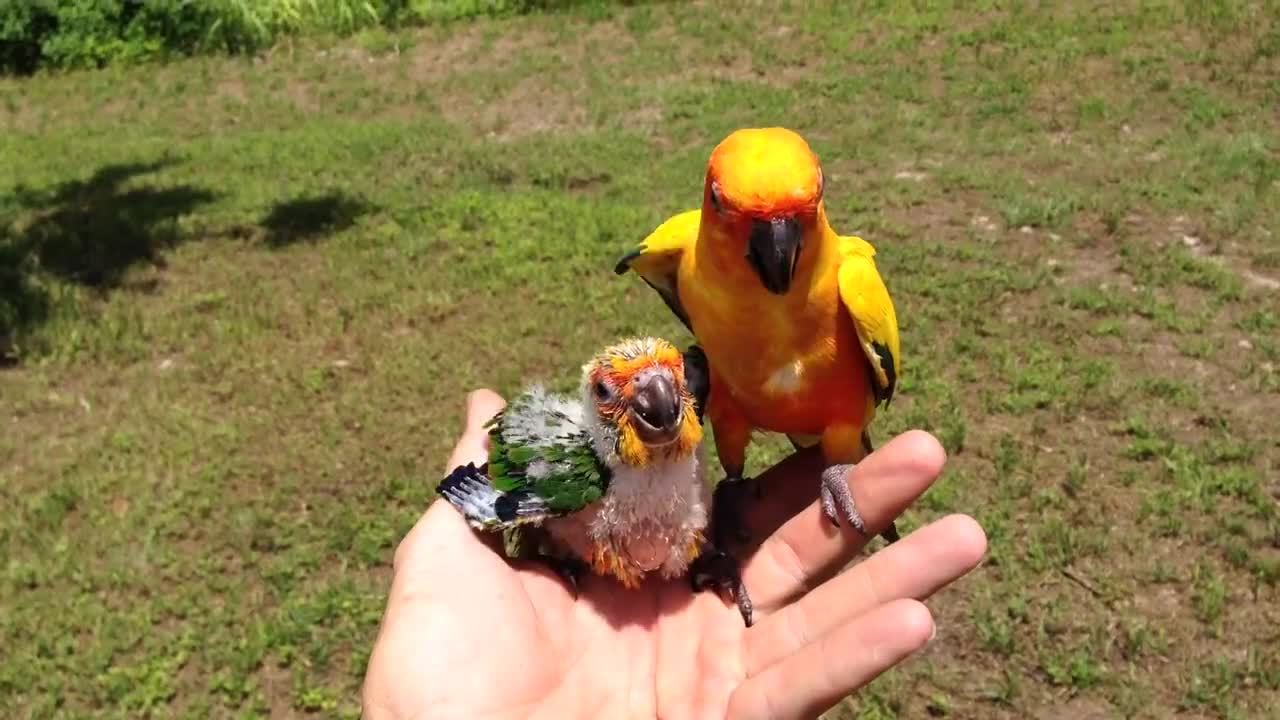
(484, 506)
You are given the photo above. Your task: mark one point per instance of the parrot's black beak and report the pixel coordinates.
(656, 409)
(773, 249)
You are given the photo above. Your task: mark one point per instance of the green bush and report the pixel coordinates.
(92, 33)
(87, 33)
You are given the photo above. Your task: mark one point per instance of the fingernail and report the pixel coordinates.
(932, 634)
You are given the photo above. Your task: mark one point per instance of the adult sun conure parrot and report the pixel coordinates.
(797, 326)
(611, 479)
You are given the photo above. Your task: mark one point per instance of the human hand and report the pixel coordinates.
(470, 634)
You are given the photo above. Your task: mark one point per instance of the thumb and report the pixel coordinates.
(473, 443)
(482, 405)
(441, 521)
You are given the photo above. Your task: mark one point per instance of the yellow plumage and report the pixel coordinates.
(798, 326)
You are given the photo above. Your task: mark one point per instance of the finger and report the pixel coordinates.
(807, 549)
(915, 567)
(442, 524)
(805, 684)
(473, 443)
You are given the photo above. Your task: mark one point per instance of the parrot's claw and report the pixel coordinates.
(837, 501)
(718, 571)
(567, 569)
(726, 511)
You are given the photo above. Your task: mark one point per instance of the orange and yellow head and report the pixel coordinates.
(639, 390)
(763, 194)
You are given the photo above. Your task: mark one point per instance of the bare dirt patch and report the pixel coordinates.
(531, 107)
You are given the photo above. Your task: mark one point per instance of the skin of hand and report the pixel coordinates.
(469, 634)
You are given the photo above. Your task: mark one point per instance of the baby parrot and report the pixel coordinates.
(611, 479)
(796, 323)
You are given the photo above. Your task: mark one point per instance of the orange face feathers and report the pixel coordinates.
(639, 386)
(613, 371)
(763, 172)
(625, 365)
(762, 209)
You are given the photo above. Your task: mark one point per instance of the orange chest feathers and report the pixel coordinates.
(792, 363)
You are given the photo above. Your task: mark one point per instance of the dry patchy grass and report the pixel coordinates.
(250, 295)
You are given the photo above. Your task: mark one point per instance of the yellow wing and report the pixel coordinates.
(867, 299)
(657, 259)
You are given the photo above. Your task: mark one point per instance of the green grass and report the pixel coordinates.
(241, 301)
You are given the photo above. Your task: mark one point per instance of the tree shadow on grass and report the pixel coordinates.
(83, 232)
(308, 218)
(24, 303)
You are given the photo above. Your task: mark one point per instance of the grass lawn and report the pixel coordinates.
(248, 296)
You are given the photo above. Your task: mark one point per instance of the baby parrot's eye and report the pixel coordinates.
(603, 392)
(716, 202)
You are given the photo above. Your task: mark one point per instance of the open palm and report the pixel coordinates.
(468, 634)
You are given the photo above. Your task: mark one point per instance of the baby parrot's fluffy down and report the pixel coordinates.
(611, 479)
(797, 325)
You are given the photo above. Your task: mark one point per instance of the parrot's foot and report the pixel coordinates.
(567, 569)
(718, 571)
(726, 511)
(837, 501)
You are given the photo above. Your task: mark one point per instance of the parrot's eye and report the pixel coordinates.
(602, 390)
(716, 202)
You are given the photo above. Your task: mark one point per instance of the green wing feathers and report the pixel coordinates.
(657, 258)
(549, 457)
(566, 478)
(867, 299)
(541, 465)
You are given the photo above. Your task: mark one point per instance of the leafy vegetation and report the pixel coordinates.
(92, 33)
(243, 300)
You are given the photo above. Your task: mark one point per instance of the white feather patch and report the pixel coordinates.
(649, 516)
(786, 378)
(541, 419)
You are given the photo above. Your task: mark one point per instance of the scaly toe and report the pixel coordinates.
(739, 594)
(837, 499)
(717, 571)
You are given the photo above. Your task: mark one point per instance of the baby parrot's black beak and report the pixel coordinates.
(773, 249)
(656, 408)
